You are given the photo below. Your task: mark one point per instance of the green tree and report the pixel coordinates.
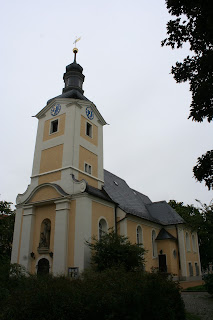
(114, 250)
(199, 219)
(194, 25)
(7, 218)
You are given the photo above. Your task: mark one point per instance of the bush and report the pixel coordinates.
(111, 294)
(209, 283)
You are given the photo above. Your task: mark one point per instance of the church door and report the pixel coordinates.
(43, 267)
(162, 263)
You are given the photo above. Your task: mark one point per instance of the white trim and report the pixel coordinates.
(188, 244)
(154, 245)
(64, 168)
(141, 234)
(102, 218)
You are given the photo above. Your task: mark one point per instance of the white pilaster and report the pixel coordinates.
(27, 237)
(16, 235)
(61, 237)
(83, 227)
(182, 252)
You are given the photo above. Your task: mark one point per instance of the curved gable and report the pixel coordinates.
(45, 192)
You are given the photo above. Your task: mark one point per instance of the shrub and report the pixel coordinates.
(209, 283)
(109, 295)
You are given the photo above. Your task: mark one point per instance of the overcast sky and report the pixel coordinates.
(149, 141)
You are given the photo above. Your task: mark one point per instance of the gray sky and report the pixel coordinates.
(149, 142)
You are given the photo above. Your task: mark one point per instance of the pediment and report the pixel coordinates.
(46, 192)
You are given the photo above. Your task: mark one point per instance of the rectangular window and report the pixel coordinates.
(88, 129)
(73, 272)
(197, 269)
(54, 126)
(190, 269)
(88, 168)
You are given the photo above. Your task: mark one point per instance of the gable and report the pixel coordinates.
(44, 193)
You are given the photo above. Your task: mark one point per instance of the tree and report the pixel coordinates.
(7, 218)
(204, 169)
(114, 250)
(199, 219)
(194, 25)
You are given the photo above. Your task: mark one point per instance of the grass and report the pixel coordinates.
(190, 316)
(196, 288)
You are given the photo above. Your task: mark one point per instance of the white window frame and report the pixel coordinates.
(106, 226)
(190, 275)
(53, 120)
(197, 273)
(188, 245)
(87, 164)
(87, 122)
(154, 245)
(139, 242)
(194, 247)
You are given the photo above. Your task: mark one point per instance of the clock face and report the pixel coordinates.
(55, 109)
(89, 113)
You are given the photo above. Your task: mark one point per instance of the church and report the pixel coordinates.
(72, 198)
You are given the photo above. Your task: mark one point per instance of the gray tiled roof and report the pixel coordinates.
(136, 203)
(165, 235)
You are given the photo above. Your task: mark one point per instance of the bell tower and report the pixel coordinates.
(69, 139)
(68, 161)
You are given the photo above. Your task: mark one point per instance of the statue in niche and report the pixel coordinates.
(45, 234)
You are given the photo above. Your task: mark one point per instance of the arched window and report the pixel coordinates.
(154, 244)
(188, 248)
(45, 234)
(193, 243)
(102, 228)
(139, 238)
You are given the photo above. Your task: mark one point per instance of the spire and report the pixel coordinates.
(73, 77)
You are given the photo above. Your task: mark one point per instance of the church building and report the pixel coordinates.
(71, 198)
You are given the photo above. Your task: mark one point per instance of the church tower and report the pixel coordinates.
(54, 215)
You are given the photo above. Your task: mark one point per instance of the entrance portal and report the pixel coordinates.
(162, 263)
(43, 267)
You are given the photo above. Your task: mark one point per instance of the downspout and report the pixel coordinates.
(116, 228)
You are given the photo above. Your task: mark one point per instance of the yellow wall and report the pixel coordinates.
(45, 193)
(71, 234)
(191, 256)
(94, 139)
(147, 241)
(51, 159)
(167, 246)
(92, 159)
(99, 210)
(41, 213)
(61, 126)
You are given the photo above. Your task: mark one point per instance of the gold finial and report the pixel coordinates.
(75, 50)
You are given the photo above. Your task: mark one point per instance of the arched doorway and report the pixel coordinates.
(43, 267)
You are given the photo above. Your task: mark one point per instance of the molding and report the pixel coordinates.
(64, 168)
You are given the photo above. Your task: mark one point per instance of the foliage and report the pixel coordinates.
(111, 294)
(201, 220)
(114, 250)
(7, 218)
(194, 25)
(203, 171)
(196, 288)
(209, 283)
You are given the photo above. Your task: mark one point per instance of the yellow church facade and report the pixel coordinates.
(71, 198)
